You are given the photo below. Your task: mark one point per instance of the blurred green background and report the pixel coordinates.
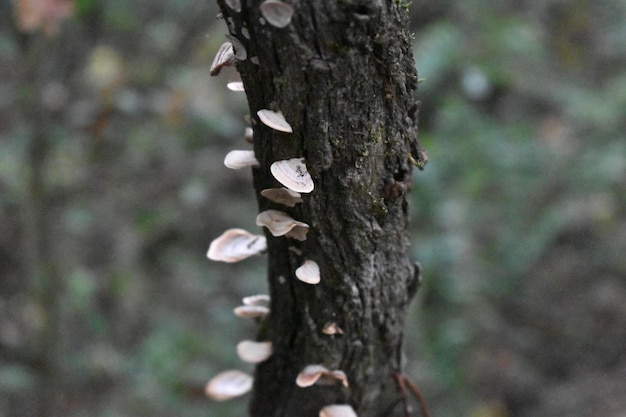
(112, 136)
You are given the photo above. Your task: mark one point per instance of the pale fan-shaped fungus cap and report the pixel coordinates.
(225, 57)
(240, 50)
(252, 311)
(249, 135)
(277, 13)
(228, 384)
(282, 196)
(235, 86)
(308, 272)
(240, 159)
(281, 224)
(293, 174)
(234, 4)
(318, 374)
(274, 120)
(254, 352)
(338, 410)
(235, 245)
(332, 328)
(256, 300)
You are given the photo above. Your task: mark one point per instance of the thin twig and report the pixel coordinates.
(400, 381)
(418, 395)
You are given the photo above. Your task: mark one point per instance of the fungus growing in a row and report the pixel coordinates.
(293, 174)
(281, 224)
(254, 352)
(274, 120)
(251, 311)
(308, 272)
(225, 57)
(277, 13)
(240, 159)
(338, 410)
(228, 384)
(282, 196)
(332, 328)
(235, 86)
(256, 300)
(318, 374)
(235, 245)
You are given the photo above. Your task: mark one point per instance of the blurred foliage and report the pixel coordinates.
(112, 136)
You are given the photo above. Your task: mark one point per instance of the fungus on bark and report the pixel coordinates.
(254, 352)
(277, 13)
(238, 159)
(235, 245)
(228, 384)
(309, 272)
(282, 224)
(274, 120)
(293, 174)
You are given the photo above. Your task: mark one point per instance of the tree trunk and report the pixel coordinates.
(343, 75)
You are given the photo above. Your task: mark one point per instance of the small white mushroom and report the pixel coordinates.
(234, 4)
(254, 352)
(228, 384)
(249, 135)
(251, 311)
(225, 57)
(235, 86)
(240, 50)
(338, 410)
(292, 173)
(332, 328)
(274, 120)
(240, 159)
(281, 224)
(318, 374)
(308, 272)
(235, 245)
(256, 300)
(277, 13)
(283, 196)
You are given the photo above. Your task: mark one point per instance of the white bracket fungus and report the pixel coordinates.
(281, 224)
(332, 328)
(228, 384)
(225, 57)
(256, 300)
(254, 352)
(235, 245)
(251, 311)
(277, 13)
(240, 159)
(274, 120)
(235, 86)
(240, 50)
(249, 135)
(338, 410)
(282, 196)
(318, 374)
(293, 174)
(234, 4)
(308, 272)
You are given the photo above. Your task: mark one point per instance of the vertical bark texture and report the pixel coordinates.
(343, 75)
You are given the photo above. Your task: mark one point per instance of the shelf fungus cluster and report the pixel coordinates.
(293, 180)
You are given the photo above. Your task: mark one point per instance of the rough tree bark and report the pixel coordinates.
(343, 75)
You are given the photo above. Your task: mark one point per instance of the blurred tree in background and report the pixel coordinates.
(112, 136)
